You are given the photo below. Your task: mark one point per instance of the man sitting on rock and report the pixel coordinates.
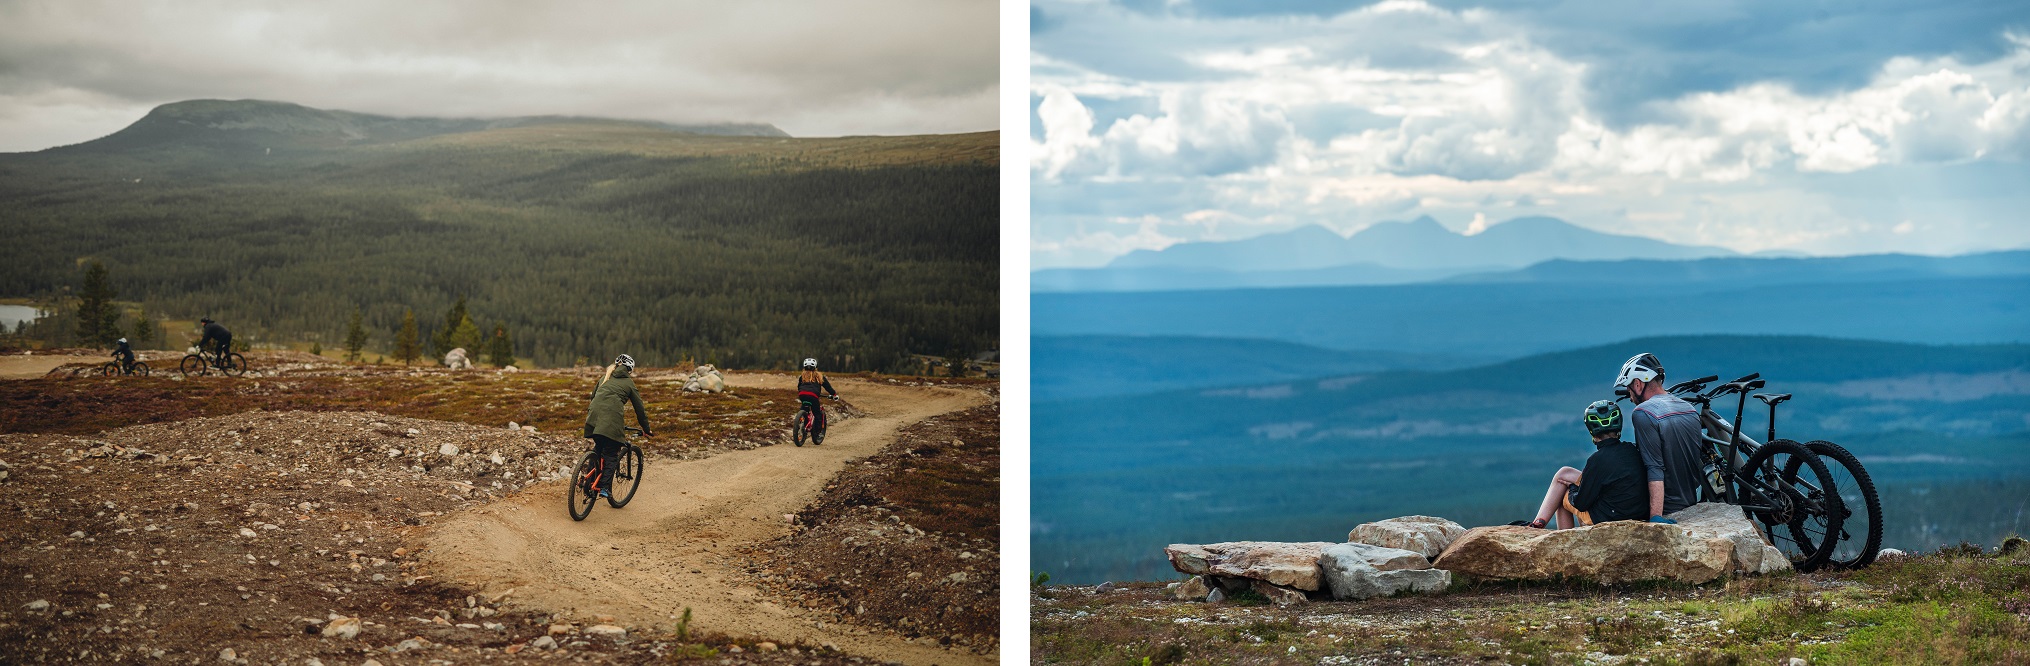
(1667, 432)
(1614, 487)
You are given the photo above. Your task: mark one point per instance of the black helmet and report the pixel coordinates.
(1603, 416)
(205, 320)
(1643, 366)
(624, 361)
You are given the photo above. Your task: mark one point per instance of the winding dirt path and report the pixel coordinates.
(676, 544)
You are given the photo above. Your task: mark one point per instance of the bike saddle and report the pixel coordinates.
(1772, 399)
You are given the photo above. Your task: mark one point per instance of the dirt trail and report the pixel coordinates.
(676, 544)
(30, 367)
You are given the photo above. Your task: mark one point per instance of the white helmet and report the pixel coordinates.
(810, 364)
(1643, 366)
(123, 341)
(624, 361)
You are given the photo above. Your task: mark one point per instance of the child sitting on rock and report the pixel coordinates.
(1614, 475)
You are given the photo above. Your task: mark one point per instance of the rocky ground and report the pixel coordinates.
(1959, 606)
(907, 542)
(271, 518)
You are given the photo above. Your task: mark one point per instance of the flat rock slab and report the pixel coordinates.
(1293, 565)
(1425, 535)
(1710, 540)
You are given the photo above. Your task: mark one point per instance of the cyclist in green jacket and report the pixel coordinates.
(605, 424)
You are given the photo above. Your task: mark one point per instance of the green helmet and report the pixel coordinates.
(1603, 416)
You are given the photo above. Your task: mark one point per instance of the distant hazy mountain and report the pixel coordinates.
(1169, 278)
(1418, 244)
(1862, 268)
(281, 124)
(1078, 367)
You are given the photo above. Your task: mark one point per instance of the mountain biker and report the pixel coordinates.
(1667, 433)
(125, 355)
(214, 332)
(606, 425)
(807, 385)
(1613, 487)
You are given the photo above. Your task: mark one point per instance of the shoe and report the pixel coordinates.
(605, 494)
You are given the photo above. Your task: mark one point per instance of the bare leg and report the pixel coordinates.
(1554, 499)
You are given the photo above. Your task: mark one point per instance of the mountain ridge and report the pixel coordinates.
(1421, 243)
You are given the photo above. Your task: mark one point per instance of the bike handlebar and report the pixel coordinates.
(1693, 384)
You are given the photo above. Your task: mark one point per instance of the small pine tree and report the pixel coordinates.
(355, 337)
(405, 341)
(500, 351)
(441, 339)
(144, 328)
(316, 349)
(466, 337)
(98, 318)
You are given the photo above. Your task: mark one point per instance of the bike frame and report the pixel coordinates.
(1734, 448)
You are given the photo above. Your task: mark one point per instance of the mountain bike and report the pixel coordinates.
(113, 369)
(1784, 485)
(203, 362)
(584, 489)
(808, 424)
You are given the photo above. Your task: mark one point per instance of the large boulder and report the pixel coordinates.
(1363, 571)
(1423, 534)
(457, 360)
(1292, 565)
(705, 378)
(1710, 540)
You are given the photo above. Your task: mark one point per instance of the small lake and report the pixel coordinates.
(12, 315)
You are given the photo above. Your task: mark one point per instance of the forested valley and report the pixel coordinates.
(584, 239)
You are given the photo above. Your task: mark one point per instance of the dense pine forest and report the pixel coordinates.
(583, 238)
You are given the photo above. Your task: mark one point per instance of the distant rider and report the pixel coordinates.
(807, 386)
(606, 425)
(1667, 432)
(125, 355)
(213, 332)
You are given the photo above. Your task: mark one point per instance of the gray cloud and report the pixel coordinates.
(812, 68)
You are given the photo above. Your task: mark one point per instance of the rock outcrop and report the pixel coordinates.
(1710, 540)
(1363, 571)
(457, 360)
(705, 378)
(1424, 535)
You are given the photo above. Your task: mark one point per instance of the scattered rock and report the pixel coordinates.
(544, 643)
(1287, 564)
(1890, 552)
(1104, 588)
(1425, 535)
(346, 628)
(764, 646)
(1192, 589)
(606, 630)
(447, 449)
(1279, 595)
(512, 425)
(37, 605)
(1215, 596)
(228, 655)
(559, 629)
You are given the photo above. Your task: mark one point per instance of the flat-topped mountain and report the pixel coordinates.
(282, 124)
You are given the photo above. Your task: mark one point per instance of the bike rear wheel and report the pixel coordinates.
(626, 478)
(236, 365)
(110, 369)
(818, 427)
(580, 495)
(193, 365)
(797, 427)
(1805, 520)
(1861, 529)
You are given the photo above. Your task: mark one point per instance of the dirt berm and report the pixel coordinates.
(677, 545)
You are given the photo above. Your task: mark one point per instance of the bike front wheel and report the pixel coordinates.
(236, 365)
(192, 365)
(580, 495)
(1801, 502)
(626, 478)
(1861, 530)
(141, 369)
(818, 429)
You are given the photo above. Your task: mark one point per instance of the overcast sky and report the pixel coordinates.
(1822, 127)
(75, 70)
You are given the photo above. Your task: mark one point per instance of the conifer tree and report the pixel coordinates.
(405, 341)
(144, 328)
(441, 339)
(355, 337)
(500, 351)
(466, 337)
(98, 318)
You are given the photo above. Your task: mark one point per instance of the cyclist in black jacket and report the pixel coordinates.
(1614, 485)
(214, 332)
(125, 355)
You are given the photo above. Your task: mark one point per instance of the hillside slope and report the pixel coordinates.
(586, 238)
